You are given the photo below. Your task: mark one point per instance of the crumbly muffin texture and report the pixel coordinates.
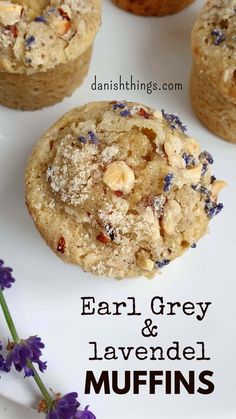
(39, 35)
(214, 44)
(120, 189)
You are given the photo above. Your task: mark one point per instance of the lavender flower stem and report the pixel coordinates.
(41, 386)
(8, 318)
(16, 339)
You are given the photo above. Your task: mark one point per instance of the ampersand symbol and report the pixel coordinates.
(149, 330)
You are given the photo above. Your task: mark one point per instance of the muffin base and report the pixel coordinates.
(215, 111)
(153, 7)
(36, 91)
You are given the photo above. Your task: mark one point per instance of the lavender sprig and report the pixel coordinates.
(16, 341)
(6, 278)
(24, 354)
(21, 353)
(67, 407)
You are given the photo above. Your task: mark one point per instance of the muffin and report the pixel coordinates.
(213, 79)
(45, 49)
(153, 7)
(120, 189)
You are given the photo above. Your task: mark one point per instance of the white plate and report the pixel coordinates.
(46, 297)
(12, 410)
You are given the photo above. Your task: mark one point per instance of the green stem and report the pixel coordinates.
(41, 386)
(8, 318)
(16, 339)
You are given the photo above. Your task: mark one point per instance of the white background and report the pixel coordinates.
(11, 410)
(46, 297)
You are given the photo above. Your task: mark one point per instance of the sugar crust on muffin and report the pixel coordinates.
(120, 189)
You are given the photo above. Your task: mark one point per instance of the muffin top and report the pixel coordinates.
(39, 35)
(214, 44)
(120, 189)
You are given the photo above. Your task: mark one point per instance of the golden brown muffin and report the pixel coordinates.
(120, 189)
(153, 7)
(213, 79)
(45, 49)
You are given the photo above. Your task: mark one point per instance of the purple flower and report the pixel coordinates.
(30, 40)
(174, 121)
(3, 366)
(67, 407)
(206, 156)
(26, 350)
(204, 169)
(119, 105)
(162, 263)
(122, 105)
(202, 189)
(82, 139)
(84, 414)
(64, 408)
(168, 182)
(40, 19)
(125, 113)
(189, 159)
(2, 363)
(93, 138)
(6, 279)
(218, 36)
(2, 360)
(212, 208)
